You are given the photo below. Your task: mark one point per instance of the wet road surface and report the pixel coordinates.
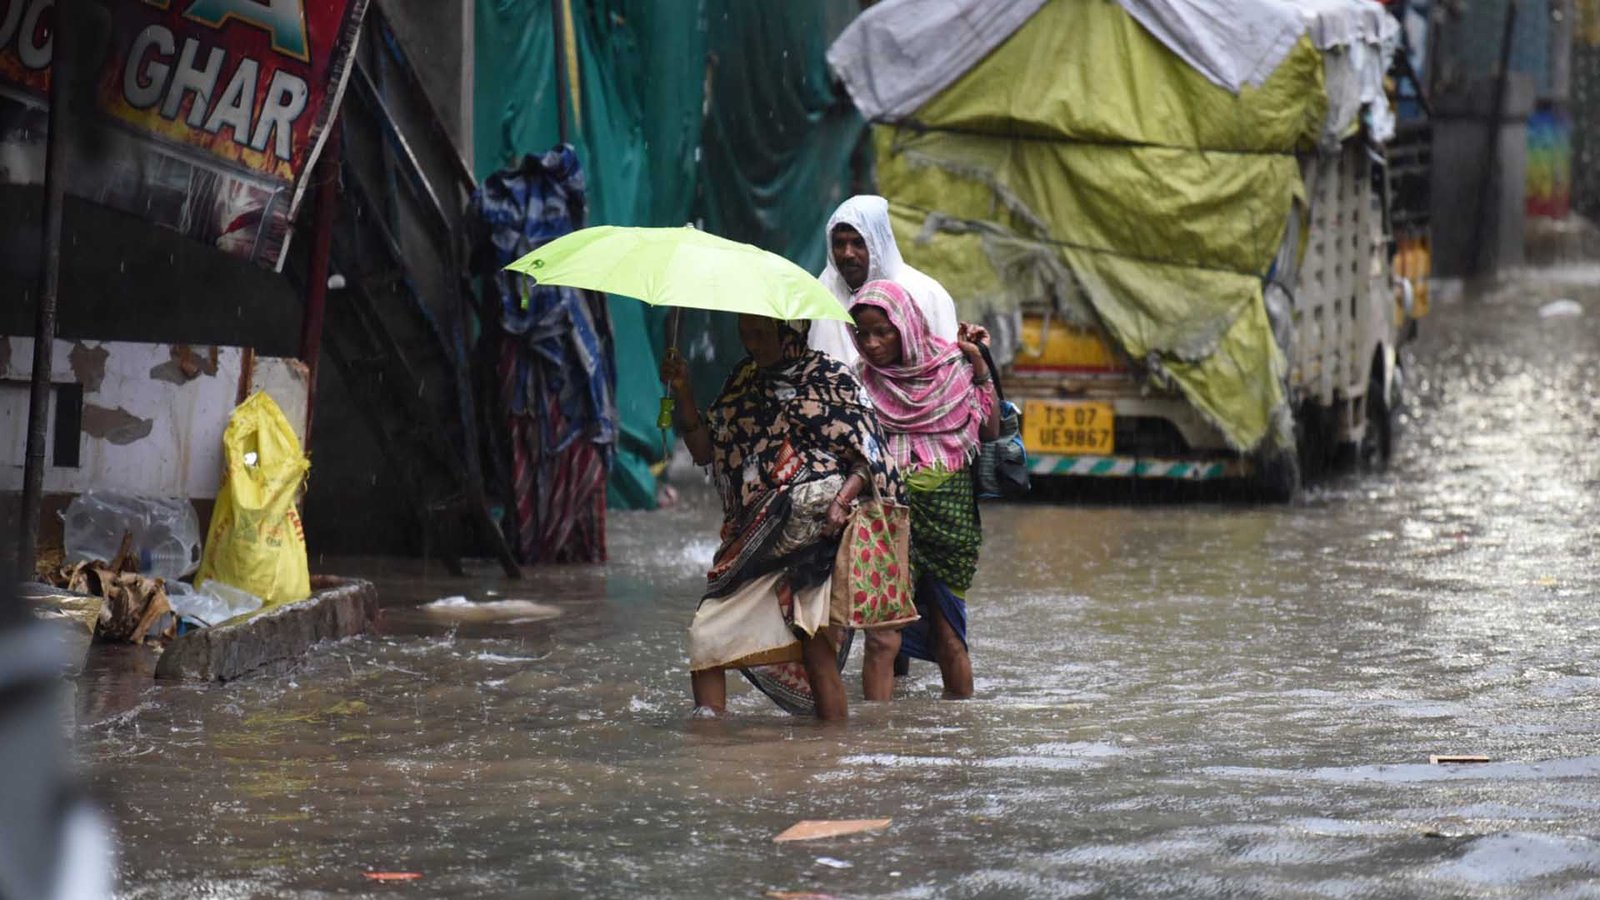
(1173, 700)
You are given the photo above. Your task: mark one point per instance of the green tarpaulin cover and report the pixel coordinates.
(712, 111)
(1083, 145)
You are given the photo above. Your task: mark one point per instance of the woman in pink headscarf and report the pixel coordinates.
(936, 402)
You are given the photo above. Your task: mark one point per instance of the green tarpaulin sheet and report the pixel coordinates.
(712, 111)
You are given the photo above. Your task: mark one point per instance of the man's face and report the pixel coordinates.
(849, 255)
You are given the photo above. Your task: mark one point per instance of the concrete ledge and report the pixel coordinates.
(338, 608)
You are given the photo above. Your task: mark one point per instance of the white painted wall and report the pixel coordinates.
(181, 456)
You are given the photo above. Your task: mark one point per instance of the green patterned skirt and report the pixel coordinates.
(945, 529)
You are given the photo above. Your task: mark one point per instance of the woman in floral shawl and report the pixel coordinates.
(792, 441)
(936, 402)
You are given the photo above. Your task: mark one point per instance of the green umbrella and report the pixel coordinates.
(682, 267)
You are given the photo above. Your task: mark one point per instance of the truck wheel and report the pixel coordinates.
(1278, 476)
(1377, 441)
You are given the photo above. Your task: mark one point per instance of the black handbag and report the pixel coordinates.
(1002, 466)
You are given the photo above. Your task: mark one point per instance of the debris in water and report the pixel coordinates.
(1447, 759)
(813, 829)
(135, 605)
(461, 609)
(798, 895)
(1561, 309)
(501, 658)
(832, 863)
(392, 876)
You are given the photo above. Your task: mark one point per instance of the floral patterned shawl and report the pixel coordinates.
(772, 429)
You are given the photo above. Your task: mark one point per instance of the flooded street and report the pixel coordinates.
(1173, 700)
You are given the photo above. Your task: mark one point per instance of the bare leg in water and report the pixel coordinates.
(822, 669)
(710, 687)
(951, 652)
(877, 672)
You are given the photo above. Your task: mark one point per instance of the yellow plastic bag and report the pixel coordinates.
(256, 542)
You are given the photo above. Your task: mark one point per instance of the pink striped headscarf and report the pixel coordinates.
(927, 404)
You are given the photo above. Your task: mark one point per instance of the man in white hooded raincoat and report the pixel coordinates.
(861, 248)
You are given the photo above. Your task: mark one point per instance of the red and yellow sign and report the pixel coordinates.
(234, 94)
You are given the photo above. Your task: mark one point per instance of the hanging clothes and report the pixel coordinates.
(552, 354)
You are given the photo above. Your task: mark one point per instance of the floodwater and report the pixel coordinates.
(1173, 700)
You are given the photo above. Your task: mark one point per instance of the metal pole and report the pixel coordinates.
(317, 277)
(1491, 150)
(558, 23)
(44, 329)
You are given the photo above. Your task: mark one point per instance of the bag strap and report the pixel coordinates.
(994, 373)
(872, 482)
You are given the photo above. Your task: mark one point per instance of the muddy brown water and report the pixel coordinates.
(1187, 700)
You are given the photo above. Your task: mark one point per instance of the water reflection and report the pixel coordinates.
(1185, 700)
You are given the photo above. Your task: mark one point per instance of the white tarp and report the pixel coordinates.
(1357, 38)
(1239, 43)
(899, 54)
(1234, 43)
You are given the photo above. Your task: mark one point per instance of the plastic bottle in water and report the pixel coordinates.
(168, 557)
(165, 531)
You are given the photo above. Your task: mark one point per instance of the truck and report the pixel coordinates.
(1344, 302)
(1198, 241)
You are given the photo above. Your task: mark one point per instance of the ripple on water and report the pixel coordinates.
(1411, 773)
(1503, 860)
(1204, 699)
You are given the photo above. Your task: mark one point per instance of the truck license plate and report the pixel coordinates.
(1049, 427)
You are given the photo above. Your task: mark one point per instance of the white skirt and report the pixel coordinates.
(746, 628)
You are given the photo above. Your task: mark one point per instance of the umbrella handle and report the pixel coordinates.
(668, 405)
(674, 325)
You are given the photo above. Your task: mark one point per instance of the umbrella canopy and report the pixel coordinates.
(681, 267)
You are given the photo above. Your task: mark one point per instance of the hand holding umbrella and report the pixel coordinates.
(664, 416)
(680, 396)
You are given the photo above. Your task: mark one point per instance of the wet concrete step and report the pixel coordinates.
(338, 608)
